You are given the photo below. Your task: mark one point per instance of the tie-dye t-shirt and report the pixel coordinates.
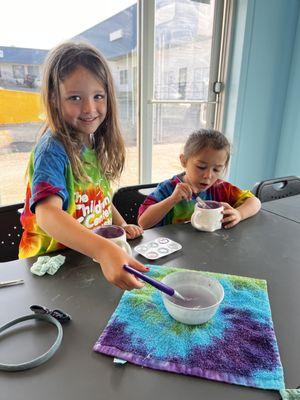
(50, 173)
(182, 211)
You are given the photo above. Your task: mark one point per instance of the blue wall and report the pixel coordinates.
(288, 159)
(263, 93)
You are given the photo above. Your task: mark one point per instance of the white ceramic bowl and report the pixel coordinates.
(208, 292)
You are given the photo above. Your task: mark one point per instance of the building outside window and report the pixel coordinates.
(183, 103)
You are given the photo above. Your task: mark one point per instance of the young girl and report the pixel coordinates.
(205, 158)
(80, 151)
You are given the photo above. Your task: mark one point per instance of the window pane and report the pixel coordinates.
(172, 124)
(112, 28)
(183, 44)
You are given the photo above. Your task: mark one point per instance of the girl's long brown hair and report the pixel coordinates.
(109, 144)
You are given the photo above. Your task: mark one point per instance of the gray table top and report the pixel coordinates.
(288, 207)
(265, 246)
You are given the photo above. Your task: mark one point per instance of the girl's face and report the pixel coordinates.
(204, 168)
(83, 102)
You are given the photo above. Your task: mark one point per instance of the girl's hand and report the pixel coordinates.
(182, 191)
(132, 231)
(232, 216)
(112, 262)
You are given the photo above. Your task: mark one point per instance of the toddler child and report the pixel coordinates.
(205, 159)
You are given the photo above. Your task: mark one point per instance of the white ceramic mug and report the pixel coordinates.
(207, 219)
(116, 234)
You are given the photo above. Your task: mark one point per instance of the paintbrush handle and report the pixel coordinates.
(158, 285)
(11, 283)
(201, 202)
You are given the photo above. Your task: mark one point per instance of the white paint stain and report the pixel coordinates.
(56, 297)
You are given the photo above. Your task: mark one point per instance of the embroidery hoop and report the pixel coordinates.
(43, 357)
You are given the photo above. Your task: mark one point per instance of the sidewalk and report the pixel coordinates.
(18, 137)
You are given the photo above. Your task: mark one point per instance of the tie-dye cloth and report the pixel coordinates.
(238, 345)
(182, 211)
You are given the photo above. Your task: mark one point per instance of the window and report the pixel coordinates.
(18, 71)
(186, 42)
(182, 82)
(123, 77)
(162, 85)
(200, 83)
(21, 60)
(116, 35)
(34, 71)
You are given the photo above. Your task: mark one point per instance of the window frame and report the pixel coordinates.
(222, 27)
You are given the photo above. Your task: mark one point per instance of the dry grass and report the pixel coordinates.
(12, 177)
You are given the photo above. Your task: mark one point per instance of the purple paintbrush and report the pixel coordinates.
(158, 285)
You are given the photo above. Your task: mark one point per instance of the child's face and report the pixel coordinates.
(83, 102)
(204, 168)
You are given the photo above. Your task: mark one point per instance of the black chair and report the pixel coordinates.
(272, 189)
(128, 199)
(10, 231)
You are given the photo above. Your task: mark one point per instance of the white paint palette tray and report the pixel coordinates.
(157, 248)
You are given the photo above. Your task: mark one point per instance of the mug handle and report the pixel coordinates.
(193, 219)
(125, 246)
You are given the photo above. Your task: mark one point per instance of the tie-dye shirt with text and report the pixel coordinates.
(50, 173)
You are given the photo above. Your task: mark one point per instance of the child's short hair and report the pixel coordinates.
(60, 63)
(204, 138)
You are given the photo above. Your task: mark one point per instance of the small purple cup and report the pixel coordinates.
(116, 234)
(210, 204)
(110, 231)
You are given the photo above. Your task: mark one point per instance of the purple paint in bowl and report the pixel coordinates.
(110, 231)
(210, 204)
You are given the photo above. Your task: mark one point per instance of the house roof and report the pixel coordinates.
(116, 36)
(20, 55)
(122, 26)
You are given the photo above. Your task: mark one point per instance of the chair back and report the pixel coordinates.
(128, 199)
(10, 231)
(272, 189)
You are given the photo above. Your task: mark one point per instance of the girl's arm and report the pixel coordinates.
(233, 216)
(117, 217)
(66, 230)
(156, 212)
(132, 231)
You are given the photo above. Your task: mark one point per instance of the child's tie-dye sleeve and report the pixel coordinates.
(162, 191)
(228, 193)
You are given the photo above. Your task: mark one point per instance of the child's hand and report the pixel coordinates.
(182, 191)
(112, 260)
(132, 231)
(232, 216)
